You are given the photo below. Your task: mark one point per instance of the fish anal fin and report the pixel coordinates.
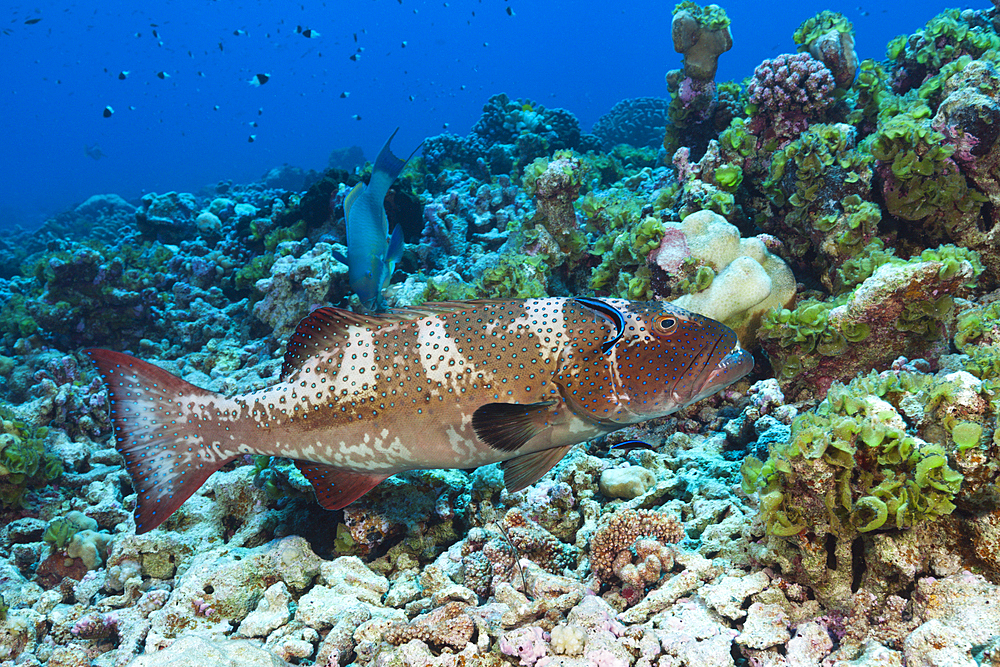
(523, 471)
(336, 489)
(508, 426)
(168, 455)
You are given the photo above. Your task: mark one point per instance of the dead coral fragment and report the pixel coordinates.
(615, 541)
(447, 626)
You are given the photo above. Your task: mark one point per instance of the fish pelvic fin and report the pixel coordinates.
(523, 471)
(336, 489)
(162, 430)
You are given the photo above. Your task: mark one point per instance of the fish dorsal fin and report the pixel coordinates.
(523, 471)
(507, 426)
(321, 330)
(395, 250)
(326, 328)
(336, 489)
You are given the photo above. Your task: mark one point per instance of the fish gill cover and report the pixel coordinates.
(829, 202)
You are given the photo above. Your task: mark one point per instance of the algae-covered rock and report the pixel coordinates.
(902, 306)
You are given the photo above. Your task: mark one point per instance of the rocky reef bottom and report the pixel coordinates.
(659, 556)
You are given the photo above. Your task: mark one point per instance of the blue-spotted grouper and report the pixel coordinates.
(447, 385)
(371, 253)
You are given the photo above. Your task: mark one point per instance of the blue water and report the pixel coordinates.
(61, 72)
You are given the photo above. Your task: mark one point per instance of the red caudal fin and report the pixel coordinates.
(172, 434)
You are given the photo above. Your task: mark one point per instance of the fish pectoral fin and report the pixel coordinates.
(336, 489)
(507, 426)
(523, 471)
(395, 249)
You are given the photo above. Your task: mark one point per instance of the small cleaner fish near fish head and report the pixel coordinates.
(447, 385)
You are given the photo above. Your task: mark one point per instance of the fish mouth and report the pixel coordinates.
(727, 370)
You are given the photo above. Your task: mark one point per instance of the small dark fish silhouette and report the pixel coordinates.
(94, 151)
(32, 21)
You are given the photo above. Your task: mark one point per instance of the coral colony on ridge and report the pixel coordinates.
(839, 506)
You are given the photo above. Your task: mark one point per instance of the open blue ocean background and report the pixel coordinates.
(184, 113)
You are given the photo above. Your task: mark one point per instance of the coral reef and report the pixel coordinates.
(840, 507)
(637, 121)
(719, 274)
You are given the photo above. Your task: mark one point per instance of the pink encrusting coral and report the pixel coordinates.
(787, 94)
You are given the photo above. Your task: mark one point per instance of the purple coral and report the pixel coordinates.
(528, 644)
(787, 93)
(96, 626)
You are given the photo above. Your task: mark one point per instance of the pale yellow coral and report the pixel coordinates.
(750, 280)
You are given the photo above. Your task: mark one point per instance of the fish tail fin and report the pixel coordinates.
(172, 434)
(386, 169)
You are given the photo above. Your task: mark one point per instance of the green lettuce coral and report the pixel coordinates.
(626, 239)
(24, 463)
(869, 472)
(899, 305)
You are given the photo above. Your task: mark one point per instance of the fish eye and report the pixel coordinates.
(665, 324)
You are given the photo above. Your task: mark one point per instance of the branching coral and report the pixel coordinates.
(787, 94)
(449, 626)
(618, 542)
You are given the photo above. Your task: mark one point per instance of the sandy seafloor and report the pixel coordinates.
(839, 506)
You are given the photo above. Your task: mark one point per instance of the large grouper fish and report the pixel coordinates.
(444, 385)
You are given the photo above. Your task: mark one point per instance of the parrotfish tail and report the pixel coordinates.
(387, 168)
(172, 434)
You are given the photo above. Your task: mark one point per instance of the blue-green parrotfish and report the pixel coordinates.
(445, 385)
(371, 253)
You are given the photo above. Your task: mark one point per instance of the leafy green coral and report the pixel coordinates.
(821, 183)
(817, 26)
(627, 238)
(902, 308)
(24, 463)
(852, 466)
(709, 17)
(945, 38)
(515, 276)
(870, 87)
(258, 267)
(922, 179)
(60, 532)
